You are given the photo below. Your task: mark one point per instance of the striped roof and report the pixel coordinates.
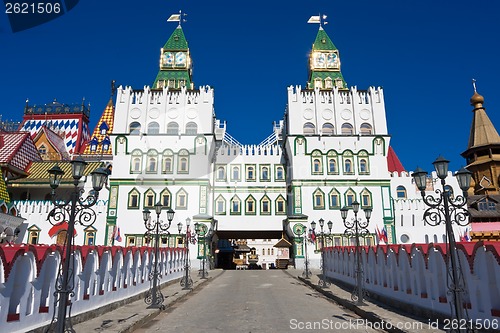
(105, 122)
(38, 173)
(17, 151)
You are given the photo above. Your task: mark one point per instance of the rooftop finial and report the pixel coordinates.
(177, 18)
(113, 88)
(474, 85)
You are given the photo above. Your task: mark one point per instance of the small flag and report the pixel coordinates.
(116, 234)
(466, 235)
(314, 19)
(174, 18)
(384, 233)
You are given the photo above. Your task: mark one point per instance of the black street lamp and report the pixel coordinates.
(448, 209)
(186, 281)
(357, 228)
(302, 232)
(154, 298)
(205, 234)
(75, 210)
(323, 281)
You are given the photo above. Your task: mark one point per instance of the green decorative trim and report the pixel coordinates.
(218, 167)
(337, 194)
(183, 153)
(265, 198)
(349, 191)
(364, 192)
(219, 199)
(315, 206)
(149, 191)
(132, 192)
(233, 199)
(299, 140)
(121, 139)
(280, 198)
(249, 199)
(166, 193)
(177, 196)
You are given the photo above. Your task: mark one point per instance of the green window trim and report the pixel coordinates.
(234, 200)
(250, 200)
(265, 201)
(253, 168)
(131, 194)
(277, 178)
(265, 172)
(318, 194)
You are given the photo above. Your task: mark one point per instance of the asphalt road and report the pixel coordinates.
(256, 301)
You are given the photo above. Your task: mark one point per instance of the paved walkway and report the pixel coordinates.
(388, 319)
(131, 316)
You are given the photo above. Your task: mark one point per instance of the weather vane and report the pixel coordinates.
(474, 85)
(318, 19)
(177, 18)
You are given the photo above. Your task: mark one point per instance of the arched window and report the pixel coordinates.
(334, 199)
(280, 173)
(221, 173)
(135, 128)
(264, 173)
(42, 150)
(317, 168)
(153, 128)
(363, 166)
(250, 172)
(309, 129)
(327, 129)
(328, 83)
(348, 166)
(172, 128)
(149, 199)
(133, 199)
(183, 165)
(167, 164)
(347, 129)
(332, 166)
(152, 164)
(365, 129)
(401, 192)
(236, 173)
(191, 128)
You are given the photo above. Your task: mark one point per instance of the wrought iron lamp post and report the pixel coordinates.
(203, 233)
(323, 281)
(357, 228)
(446, 208)
(186, 281)
(75, 210)
(302, 232)
(154, 298)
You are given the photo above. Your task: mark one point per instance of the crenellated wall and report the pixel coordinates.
(103, 275)
(416, 275)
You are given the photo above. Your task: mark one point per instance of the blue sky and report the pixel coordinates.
(423, 53)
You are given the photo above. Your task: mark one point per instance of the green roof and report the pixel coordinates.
(323, 42)
(324, 75)
(177, 41)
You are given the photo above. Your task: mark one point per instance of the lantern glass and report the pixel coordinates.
(330, 225)
(146, 214)
(99, 178)
(355, 207)
(188, 221)
(158, 208)
(420, 177)
(343, 212)
(55, 176)
(313, 225)
(78, 165)
(170, 214)
(179, 226)
(368, 213)
(321, 223)
(441, 166)
(463, 178)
